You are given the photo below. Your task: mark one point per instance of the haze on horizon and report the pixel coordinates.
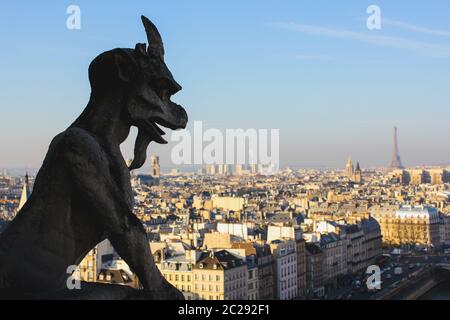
(312, 70)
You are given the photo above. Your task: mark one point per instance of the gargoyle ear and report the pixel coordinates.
(125, 64)
(141, 49)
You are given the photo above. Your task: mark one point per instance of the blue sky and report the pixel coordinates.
(310, 68)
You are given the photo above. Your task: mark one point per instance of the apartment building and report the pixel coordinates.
(314, 271)
(414, 225)
(334, 257)
(285, 268)
(220, 276)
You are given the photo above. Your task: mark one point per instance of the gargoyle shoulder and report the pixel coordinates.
(76, 145)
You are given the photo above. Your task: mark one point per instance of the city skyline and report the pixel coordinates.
(319, 229)
(225, 151)
(331, 86)
(396, 163)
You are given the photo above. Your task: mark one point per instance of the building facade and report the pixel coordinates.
(285, 269)
(314, 271)
(264, 261)
(220, 276)
(418, 225)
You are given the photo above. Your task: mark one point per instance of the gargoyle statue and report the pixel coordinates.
(82, 193)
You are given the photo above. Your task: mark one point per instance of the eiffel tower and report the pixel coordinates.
(396, 162)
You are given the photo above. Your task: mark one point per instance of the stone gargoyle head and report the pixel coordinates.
(146, 85)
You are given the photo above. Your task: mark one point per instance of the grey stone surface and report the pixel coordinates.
(82, 193)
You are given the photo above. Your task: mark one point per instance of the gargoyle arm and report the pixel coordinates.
(88, 167)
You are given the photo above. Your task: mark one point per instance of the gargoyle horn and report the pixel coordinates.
(155, 44)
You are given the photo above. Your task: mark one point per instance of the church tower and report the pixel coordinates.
(25, 193)
(349, 169)
(155, 169)
(357, 177)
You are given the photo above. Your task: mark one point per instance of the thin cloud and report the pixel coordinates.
(316, 57)
(421, 48)
(414, 28)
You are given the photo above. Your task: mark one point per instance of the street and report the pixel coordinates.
(411, 265)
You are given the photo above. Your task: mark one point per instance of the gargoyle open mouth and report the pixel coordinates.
(149, 130)
(176, 119)
(155, 131)
(153, 126)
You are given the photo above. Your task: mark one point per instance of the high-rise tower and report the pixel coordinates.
(396, 162)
